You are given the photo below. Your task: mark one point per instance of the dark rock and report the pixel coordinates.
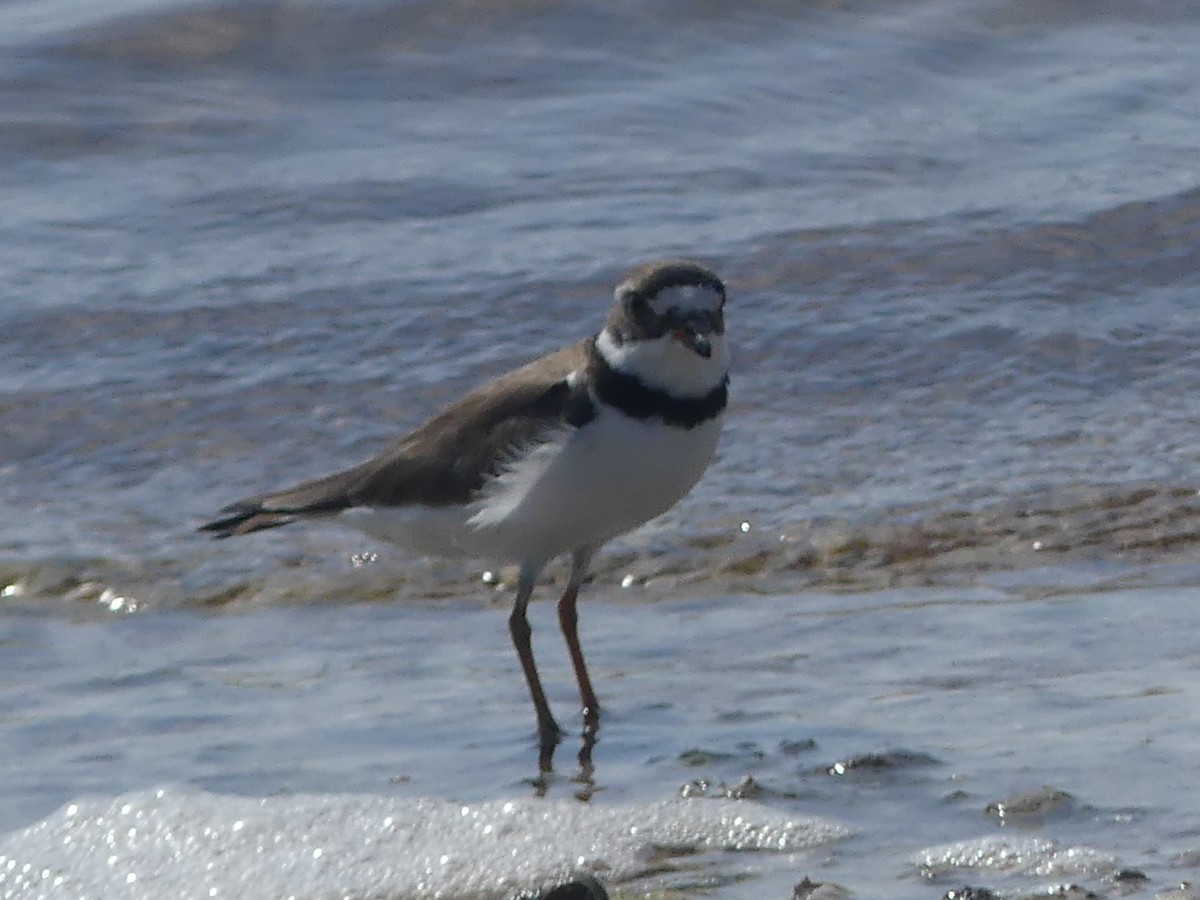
(795, 748)
(1032, 805)
(583, 888)
(1130, 876)
(699, 757)
(1066, 892)
(818, 890)
(887, 761)
(697, 788)
(746, 789)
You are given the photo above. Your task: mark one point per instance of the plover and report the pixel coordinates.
(556, 457)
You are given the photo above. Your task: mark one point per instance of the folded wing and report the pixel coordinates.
(443, 462)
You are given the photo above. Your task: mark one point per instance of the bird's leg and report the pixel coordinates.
(549, 733)
(568, 620)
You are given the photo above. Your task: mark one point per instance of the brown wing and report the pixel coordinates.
(443, 461)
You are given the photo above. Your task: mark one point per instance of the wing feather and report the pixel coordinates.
(443, 462)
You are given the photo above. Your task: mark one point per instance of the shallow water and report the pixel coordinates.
(901, 716)
(954, 510)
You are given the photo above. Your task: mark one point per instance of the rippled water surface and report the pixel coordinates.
(953, 522)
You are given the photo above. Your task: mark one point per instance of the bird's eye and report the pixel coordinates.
(636, 303)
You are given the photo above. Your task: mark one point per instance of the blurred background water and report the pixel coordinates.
(245, 243)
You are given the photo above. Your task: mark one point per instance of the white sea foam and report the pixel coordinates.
(183, 843)
(1028, 856)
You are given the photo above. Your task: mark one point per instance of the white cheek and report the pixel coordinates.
(666, 364)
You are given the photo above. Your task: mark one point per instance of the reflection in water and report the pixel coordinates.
(584, 778)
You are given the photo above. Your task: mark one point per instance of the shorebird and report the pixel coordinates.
(556, 457)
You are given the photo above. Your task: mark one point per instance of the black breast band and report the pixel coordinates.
(632, 396)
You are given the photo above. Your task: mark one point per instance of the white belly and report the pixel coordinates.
(582, 488)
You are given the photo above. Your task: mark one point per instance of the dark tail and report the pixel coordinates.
(244, 518)
(313, 499)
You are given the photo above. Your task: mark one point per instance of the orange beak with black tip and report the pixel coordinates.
(696, 335)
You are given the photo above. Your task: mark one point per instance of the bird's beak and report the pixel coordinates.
(696, 337)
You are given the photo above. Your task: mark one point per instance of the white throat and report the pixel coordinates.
(666, 364)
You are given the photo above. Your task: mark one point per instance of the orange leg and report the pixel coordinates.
(568, 620)
(549, 733)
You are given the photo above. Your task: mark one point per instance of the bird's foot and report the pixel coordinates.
(549, 737)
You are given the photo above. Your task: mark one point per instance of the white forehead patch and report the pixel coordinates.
(686, 298)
